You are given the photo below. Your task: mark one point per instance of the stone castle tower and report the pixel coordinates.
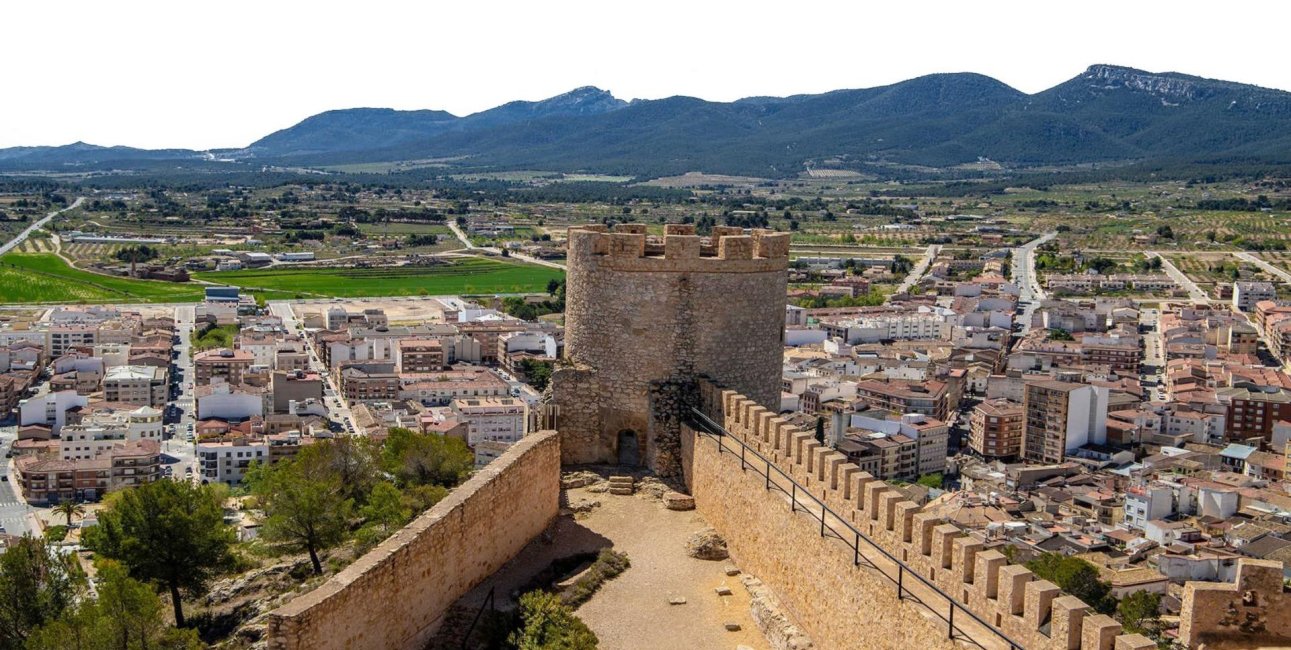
(645, 316)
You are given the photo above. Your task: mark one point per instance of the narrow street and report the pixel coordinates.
(1024, 275)
(332, 397)
(920, 267)
(180, 446)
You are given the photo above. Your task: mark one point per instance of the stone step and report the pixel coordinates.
(678, 501)
(621, 491)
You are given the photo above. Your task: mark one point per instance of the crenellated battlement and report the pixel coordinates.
(1010, 597)
(629, 247)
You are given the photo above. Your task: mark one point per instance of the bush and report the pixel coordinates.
(1076, 577)
(608, 564)
(56, 533)
(548, 624)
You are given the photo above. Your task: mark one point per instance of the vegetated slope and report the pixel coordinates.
(1107, 113)
(354, 129)
(365, 129)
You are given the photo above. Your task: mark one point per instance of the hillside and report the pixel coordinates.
(1105, 114)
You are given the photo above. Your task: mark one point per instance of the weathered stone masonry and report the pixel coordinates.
(393, 597)
(843, 606)
(646, 316)
(1252, 611)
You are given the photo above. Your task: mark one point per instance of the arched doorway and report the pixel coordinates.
(629, 448)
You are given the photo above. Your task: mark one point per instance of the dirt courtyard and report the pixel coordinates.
(632, 611)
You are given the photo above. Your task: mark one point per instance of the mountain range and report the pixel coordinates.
(1107, 114)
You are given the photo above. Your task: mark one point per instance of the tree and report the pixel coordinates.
(1140, 612)
(385, 508)
(169, 533)
(69, 509)
(932, 480)
(547, 624)
(137, 253)
(304, 503)
(426, 459)
(900, 264)
(37, 584)
(1076, 577)
(552, 285)
(536, 373)
(125, 615)
(353, 459)
(1059, 334)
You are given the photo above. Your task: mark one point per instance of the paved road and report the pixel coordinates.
(1247, 257)
(1024, 276)
(331, 396)
(921, 267)
(14, 512)
(22, 236)
(180, 447)
(1151, 377)
(1194, 291)
(461, 236)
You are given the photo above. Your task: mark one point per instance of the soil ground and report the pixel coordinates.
(632, 611)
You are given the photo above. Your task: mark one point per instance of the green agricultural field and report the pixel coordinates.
(46, 278)
(461, 276)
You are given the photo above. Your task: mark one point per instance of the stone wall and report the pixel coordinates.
(394, 596)
(643, 314)
(844, 606)
(1253, 611)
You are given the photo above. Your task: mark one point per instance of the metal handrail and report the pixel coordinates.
(487, 604)
(712, 429)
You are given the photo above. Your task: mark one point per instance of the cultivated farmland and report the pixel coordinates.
(462, 276)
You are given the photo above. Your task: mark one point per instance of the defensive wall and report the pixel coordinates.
(645, 315)
(1252, 611)
(843, 603)
(394, 597)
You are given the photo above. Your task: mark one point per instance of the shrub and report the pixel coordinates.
(549, 624)
(609, 563)
(56, 533)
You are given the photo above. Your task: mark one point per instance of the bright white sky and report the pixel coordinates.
(183, 73)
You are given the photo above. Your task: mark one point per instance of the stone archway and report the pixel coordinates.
(629, 448)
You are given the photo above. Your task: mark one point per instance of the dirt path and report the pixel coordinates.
(632, 611)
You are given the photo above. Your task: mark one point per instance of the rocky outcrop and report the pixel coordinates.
(706, 544)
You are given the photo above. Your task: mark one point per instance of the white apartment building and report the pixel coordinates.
(142, 385)
(98, 433)
(50, 409)
(1144, 503)
(227, 461)
(1246, 294)
(67, 336)
(926, 324)
(495, 419)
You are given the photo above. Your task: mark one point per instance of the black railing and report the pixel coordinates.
(752, 459)
(487, 604)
